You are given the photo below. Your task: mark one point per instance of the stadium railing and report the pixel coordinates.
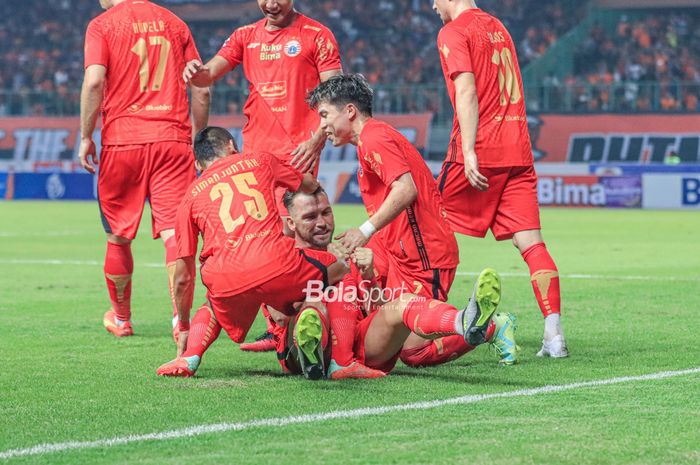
(580, 97)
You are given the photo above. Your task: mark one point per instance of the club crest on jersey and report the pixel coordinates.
(292, 48)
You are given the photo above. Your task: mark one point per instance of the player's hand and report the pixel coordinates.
(340, 252)
(364, 259)
(182, 342)
(87, 150)
(471, 170)
(352, 239)
(307, 154)
(192, 69)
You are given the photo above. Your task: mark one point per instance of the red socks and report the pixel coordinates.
(204, 329)
(436, 352)
(545, 278)
(170, 258)
(343, 318)
(119, 266)
(428, 317)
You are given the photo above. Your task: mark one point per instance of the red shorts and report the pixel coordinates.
(433, 283)
(359, 347)
(508, 206)
(130, 174)
(236, 313)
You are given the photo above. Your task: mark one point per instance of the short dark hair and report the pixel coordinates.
(341, 90)
(289, 196)
(211, 142)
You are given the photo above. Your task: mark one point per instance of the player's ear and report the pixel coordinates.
(198, 166)
(290, 223)
(352, 111)
(231, 146)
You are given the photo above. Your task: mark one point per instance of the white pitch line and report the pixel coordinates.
(23, 261)
(43, 449)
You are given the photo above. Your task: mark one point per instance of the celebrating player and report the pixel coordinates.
(283, 56)
(402, 201)
(133, 56)
(246, 260)
(488, 180)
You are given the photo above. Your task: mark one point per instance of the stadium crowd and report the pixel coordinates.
(393, 44)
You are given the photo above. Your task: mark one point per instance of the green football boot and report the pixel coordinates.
(503, 340)
(308, 334)
(481, 307)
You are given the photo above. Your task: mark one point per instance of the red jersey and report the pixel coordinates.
(476, 42)
(144, 48)
(281, 66)
(232, 205)
(419, 238)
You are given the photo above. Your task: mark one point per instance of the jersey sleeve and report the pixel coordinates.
(96, 51)
(383, 155)
(189, 46)
(284, 174)
(186, 230)
(455, 49)
(326, 53)
(232, 50)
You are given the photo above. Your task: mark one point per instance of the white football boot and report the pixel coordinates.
(555, 348)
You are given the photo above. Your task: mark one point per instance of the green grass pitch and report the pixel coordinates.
(631, 297)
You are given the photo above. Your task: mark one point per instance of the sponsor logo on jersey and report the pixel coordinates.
(254, 45)
(135, 108)
(273, 90)
(270, 52)
(292, 48)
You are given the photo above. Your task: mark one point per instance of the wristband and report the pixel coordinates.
(183, 325)
(368, 229)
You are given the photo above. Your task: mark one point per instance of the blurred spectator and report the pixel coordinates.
(392, 42)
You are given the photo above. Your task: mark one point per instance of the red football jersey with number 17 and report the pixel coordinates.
(476, 42)
(145, 48)
(232, 206)
(281, 66)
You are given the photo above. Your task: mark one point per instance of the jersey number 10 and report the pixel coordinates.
(141, 50)
(507, 77)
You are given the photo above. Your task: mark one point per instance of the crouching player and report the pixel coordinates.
(245, 258)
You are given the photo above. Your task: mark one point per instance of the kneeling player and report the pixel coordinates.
(246, 260)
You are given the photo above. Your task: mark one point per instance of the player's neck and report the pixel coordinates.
(285, 22)
(461, 7)
(357, 126)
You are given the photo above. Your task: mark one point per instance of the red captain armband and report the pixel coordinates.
(183, 325)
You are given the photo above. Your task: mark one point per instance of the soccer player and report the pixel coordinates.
(312, 222)
(488, 180)
(400, 197)
(134, 53)
(246, 260)
(364, 330)
(283, 55)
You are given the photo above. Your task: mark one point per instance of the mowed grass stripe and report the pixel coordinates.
(65, 262)
(43, 449)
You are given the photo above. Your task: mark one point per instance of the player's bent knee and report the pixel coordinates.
(118, 239)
